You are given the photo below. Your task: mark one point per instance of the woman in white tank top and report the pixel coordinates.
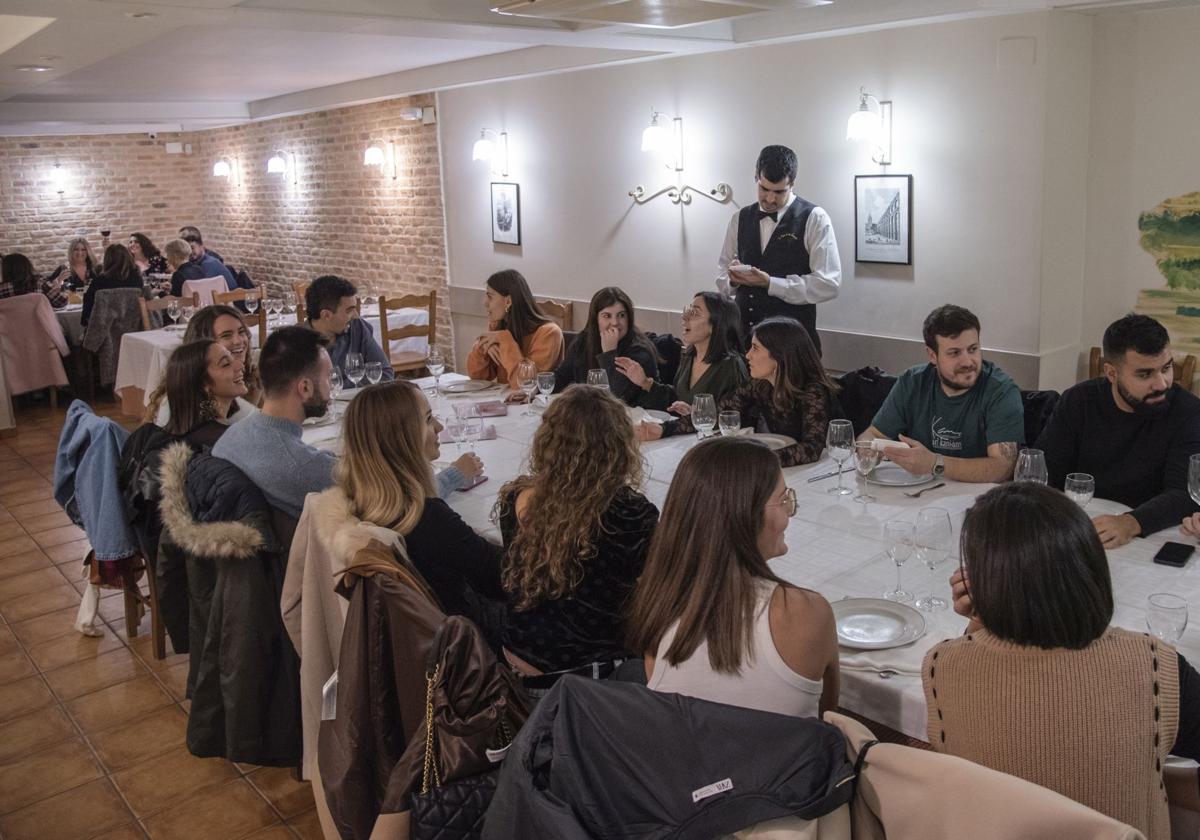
(712, 619)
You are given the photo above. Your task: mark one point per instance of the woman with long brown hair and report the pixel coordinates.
(610, 334)
(228, 326)
(118, 272)
(517, 330)
(710, 616)
(146, 255)
(576, 531)
(201, 384)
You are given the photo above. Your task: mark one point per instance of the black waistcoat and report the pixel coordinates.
(785, 254)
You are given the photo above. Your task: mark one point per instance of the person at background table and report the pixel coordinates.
(117, 272)
(517, 330)
(192, 230)
(80, 268)
(17, 277)
(206, 262)
(576, 531)
(390, 436)
(712, 361)
(332, 306)
(146, 255)
(961, 417)
(789, 393)
(712, 618)
(780, 256)
(610, 334)
(1041, 687)
(227, 325)
(1133, 429)
(267, 445)
(178, 254)
(201, 390)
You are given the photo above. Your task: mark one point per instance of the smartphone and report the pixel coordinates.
(1174, 554)
(475, 482)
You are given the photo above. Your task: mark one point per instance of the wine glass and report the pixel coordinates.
(526, 374)
(252, 303)
(704, 414)
(374, 372)
(1166, 616)
(729, 422)
(545, 385)
(1080, 488)
(1194, 478)
(899, 537)
(474, 427)
(463, 412)
(173, 310)
(436, 363)
(932, 540)
(598, 378)
(866, 459)
(335, 384)
(289, 301)
(273, 306)
(185, 314)
(354, 368)
(1031, 466)
(840, 441)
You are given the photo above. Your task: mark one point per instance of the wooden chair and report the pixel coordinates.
(1185, 370)
(161, 304)
(561, 311)
(407, 361)
(301, 289)
(259, 318)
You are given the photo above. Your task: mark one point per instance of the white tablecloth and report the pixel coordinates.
(835, 546)
(69, 319)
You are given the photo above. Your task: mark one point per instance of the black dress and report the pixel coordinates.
(575, 367)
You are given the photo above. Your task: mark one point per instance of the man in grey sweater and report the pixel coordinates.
(267, 445)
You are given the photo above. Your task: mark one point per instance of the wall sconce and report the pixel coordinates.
(58, 177)
(485, 149)
(876, 128)
(282, 163)
(669, 145)
(228, 167)
(375, 155)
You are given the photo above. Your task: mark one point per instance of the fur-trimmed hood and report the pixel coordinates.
(212, 510)
(335, 525)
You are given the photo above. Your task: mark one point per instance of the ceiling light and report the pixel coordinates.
(33, 68)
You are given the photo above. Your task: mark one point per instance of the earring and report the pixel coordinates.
(208, 409)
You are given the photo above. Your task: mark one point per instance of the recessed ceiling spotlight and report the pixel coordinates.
(140, 15)
(33, 68)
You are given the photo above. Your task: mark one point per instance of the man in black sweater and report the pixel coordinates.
(1133, 429)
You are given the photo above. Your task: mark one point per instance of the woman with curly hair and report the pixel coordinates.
(146, 255)
(576, 532)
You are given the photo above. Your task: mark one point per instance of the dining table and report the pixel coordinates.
(836, 545)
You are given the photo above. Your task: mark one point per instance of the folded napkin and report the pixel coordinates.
(907, 659)
(489, 433)
(492, 408)
(883, 444)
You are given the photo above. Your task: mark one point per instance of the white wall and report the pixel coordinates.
(970, 126)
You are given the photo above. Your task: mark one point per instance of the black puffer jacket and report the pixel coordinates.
(244, 675)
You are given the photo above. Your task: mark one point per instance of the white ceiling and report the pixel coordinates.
(187, 64)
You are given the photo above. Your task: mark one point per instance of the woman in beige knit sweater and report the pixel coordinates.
(1041, 686)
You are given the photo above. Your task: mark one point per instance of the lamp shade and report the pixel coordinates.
(277, 164)
(654, 138)
(483, 149)
(862, 125)
(374, 156)
(221, 169)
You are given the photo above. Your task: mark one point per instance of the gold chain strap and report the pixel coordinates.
(430, 764)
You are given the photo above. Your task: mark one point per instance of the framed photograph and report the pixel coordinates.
(883, 219)
(506, 213)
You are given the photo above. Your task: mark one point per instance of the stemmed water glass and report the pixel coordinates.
(335, 384)
(1031, 466)
(866, 459)
(374, 372)
(1166, 616)
(289, 301)
(474, 427)
(932, 540)
(704, 414)
(840, 441)
(899, 537)
(526, 374)
(185, 314)
(545, 385)
(273, 306)
(354, 368)
(460, 423)
(598, 378)
(436, 363)
(1080, 488)
(252, 302)
(730, 422)
(173, 310)
(1194, 478)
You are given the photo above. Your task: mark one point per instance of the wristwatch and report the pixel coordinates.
(939, 466)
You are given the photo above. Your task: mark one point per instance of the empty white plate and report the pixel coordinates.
(876, 624)
(894, 475)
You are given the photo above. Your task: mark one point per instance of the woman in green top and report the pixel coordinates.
(712, 361)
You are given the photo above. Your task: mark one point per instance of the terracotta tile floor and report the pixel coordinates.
(92, 730)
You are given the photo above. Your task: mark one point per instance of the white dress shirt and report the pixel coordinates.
(825, 266)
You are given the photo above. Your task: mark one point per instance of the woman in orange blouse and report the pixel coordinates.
(517, 330)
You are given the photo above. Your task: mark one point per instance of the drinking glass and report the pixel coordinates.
(374, 372)
(526, 374)
(899, 537)
(1166, 616)
(273, 306)
(840, 441)
(704, 414)
(354, 368)
(185, 314)
(1031, 466)
(1194, 478)
(932, 540)
(436, 363)
(1080, 487)
(289, 301)
(474, 427)
(730, 422)
(460, 424)
(545, 385)
(598, 377)
(173, 310)
(335, 384)
(251, 304)
(457, 427)
(866, 459)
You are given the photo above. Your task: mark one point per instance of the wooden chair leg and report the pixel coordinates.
(158, 632)
(53, 396)
(132, 619)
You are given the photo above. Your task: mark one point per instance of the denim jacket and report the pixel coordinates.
(85, 481)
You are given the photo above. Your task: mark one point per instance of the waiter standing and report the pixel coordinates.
(780, 256)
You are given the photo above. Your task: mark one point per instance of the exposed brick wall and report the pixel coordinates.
(338, 217)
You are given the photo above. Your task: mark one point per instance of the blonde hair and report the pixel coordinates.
(177, 252)
(583, 454)
(91, 261)
(384, 470)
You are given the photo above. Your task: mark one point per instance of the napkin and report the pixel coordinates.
(489, 433)
(903, 660)
(880, 444)
(492, 408)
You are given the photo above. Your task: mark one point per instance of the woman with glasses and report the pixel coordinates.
(712, 361)
(711, 617)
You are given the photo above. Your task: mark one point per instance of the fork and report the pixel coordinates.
(917, 494)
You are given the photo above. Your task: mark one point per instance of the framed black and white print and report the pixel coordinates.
(883, 219)
(506, 213)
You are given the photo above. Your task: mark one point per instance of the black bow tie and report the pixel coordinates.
(763, 214)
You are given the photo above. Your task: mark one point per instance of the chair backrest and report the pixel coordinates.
(862, 394)
(1039, 405)
(428, 330)
(150, 307)
(206, 288)
(561, 311)
(669, 349)
(301, 290)
(259, 318)
(1185, 368)
(31, 344)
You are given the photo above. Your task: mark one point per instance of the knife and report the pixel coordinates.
(829, 474)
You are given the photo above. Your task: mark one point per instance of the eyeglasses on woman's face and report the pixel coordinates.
(787, 501)
(691, 311)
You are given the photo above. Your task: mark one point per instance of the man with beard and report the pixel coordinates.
(1132, 429)
(267, 446)
(959, 416)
